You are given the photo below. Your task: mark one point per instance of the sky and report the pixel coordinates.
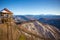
(32, 7)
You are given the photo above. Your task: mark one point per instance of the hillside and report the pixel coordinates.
(43, 30)
(54, 22)
(32, 30)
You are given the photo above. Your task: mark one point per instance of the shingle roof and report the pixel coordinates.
(5, 10)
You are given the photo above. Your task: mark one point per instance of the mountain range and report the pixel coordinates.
(47, 19)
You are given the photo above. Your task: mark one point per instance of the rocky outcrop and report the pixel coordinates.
(40, 30)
